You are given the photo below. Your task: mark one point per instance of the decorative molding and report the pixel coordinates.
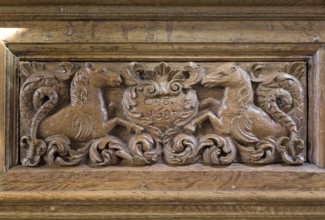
(162, 205)
(73, 113)
(161, 10)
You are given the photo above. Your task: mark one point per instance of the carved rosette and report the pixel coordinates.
(161, 113)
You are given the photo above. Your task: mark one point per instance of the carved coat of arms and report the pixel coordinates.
(73, 113)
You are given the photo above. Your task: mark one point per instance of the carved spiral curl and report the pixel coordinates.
(34, 75)
(35, 148)
(175, 87)
(217, 149)
(211, 148)
(263, 152)
(182, 149)
(59, 152)
(109, 150)
(277, 103)
(39, 94)
(150, 88)
(44, 100)
(291, 151)
(281, 96)
(144, 149)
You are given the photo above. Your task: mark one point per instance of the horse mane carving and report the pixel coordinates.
(79, 88)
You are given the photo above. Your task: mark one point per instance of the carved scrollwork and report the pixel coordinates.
(182, 149)
(211, 149)
(145, 149)
(60, 152)
(217, 149)
(264, 152)
(109, 150)
(255, 113)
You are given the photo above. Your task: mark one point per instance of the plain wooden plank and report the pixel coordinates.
(165, 32)
(236, 177)
(161, 12)
(167, 2)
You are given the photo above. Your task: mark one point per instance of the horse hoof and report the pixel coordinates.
(189, 128)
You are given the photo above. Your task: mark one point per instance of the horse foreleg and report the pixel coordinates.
(130, 126)
(211, 103)
(206, 115)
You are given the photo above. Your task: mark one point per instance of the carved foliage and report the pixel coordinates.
(257, 120)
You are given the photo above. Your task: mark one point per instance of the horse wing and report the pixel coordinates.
(242, 129)
(83, 124)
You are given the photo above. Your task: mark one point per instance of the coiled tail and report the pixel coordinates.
(39, 95)
(281, 96)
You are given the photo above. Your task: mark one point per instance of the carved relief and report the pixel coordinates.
(136, 114)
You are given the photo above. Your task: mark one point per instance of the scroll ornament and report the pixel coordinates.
(64, 118)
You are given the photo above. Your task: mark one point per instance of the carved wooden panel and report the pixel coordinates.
(134, 113)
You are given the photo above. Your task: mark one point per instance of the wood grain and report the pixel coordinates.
(161, 11)
(236, 177)
(166, 32)
(316, 108)
(8, 98)
(163, 51)
(162, 205)
(169, 2)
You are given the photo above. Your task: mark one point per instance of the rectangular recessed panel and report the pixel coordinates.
(117, 113)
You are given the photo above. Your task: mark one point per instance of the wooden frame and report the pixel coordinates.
(253, 32)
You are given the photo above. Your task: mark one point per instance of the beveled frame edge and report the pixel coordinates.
(316, 113)
(9, 114)
(312, 53)
(246, 202)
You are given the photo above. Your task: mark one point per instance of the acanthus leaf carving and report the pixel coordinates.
(109, 150)
(165, 109)
(217, 149)
(59, 152)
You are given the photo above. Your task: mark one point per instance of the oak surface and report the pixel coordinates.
(165, 30)
(317, 100)
(162, 10)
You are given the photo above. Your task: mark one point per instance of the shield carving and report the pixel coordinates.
(162, 97)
